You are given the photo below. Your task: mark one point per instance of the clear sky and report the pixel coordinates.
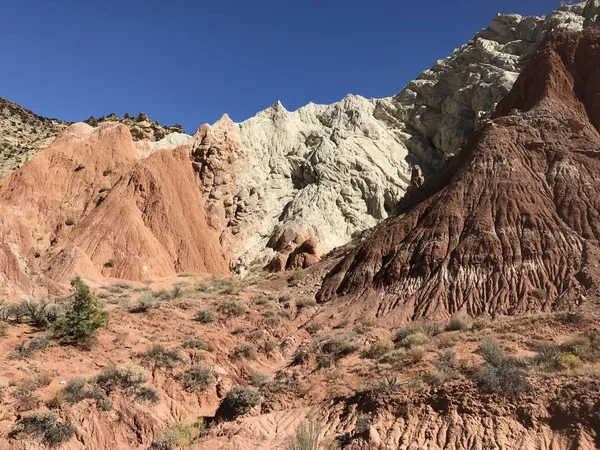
(188, 62)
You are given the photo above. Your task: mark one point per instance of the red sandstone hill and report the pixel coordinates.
(512, 224)
(93, 205)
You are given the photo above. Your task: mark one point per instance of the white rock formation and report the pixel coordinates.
(331, 171)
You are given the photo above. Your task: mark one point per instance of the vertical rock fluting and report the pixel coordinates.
(513, 222)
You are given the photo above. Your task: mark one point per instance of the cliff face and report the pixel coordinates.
(512, 224)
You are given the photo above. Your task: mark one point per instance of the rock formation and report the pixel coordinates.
(512, 224)
(94, 204)
(23, 134)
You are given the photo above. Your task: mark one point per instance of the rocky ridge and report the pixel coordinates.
(512, 223)
(23, 134)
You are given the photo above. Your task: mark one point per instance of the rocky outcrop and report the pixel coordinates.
(23, 134)
(513, 223)
(142, 128)
(94, 204)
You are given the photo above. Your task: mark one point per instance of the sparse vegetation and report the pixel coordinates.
(129, 378)
(232, 308)
(379, 348)
(205, 316)
(82, 319)
(110, 263)
(415, 334)
(306, 437)
(238, 401)
(107, 171)
(245, 351)
(197, 344)
(459, 322)
(46, 427)
(198, 378)
(296, 278)
(27, 350)
(446, 369)
(145, 303)
(501, 374)
(69, 221)
(158, 356)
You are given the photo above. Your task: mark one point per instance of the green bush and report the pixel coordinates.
(27, 350)
(415, 334)
(339, 345)
(82, 319)
(238, 401)
(198, 378)
(205, 316)
(46, 427)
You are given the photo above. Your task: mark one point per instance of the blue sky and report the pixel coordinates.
(188, 62)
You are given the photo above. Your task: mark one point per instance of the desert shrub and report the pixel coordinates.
(260, 380)
(362, 328)
(481, 323)
(296, 278)
(238, 401)
(178, 289)
(40, 314)
(147, 394)
(69, 221)
(491, 352)
(104, 403)
(107, 171)
(386, 384)
(569, 361)
(197, 378)
(256, 335)
(501, 374)
(306, 437)
(459, 322)
(415, 354)
(586, 347)
(238, 330)
(79, 167)
(82, 319)
(378, 349)
(395, 357)
(77, 389)
(24, 395)
(46, 427)
(27, 350)
(232, 308)
(197, 344)
(144, 303)
(205, 316)
(111, 262)
(418, 338)
(446, 369)
(127, 377)
(270, 346)
(415, 334)
(245, 351)
(339, 345)
(3, 329)
(168, 441)
(158, 356)
(363, 422)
